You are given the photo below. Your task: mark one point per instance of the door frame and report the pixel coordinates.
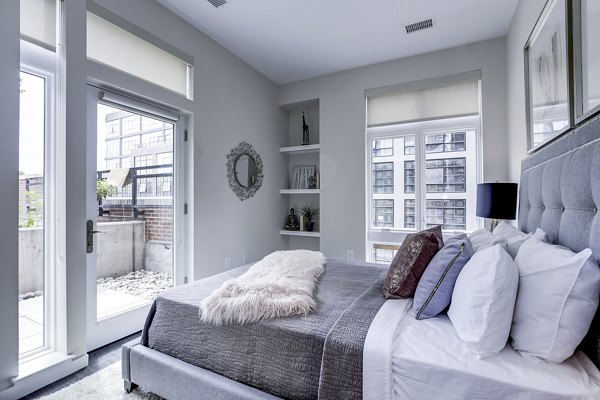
(110, 329)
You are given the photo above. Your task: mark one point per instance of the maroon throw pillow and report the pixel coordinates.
(410, 262)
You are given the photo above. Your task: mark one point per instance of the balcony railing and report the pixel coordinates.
(151, 186)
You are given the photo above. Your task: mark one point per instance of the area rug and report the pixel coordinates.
(105, 384)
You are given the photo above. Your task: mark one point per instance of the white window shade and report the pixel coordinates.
(117, 48)
(455, 99)
(38, 22)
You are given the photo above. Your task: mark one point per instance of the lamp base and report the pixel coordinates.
(494, 224)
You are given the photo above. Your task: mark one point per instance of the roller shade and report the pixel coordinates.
(38, 22)
(116, 47)
(442, 101)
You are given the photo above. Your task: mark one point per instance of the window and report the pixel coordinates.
(446, 175)
(114, 163)
(383, 213)
(424, 157)
(445, 142)
(384, 253)
(448, 213)
(409, 177)
(383, 148)
(409, 145)
(129, 143)
(113, 128)
(131, 124)
(409, 214)
(164, 158)
(383, 177)
(153, 139)
(151, 123)
(143, 161)
(112, 148)
(437, 186)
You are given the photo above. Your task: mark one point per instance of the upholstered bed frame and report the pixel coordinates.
(560, 193)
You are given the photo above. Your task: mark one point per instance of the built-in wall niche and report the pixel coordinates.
(302, 154)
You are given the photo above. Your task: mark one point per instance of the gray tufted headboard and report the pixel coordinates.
(560, 193)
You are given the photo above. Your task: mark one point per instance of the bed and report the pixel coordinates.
(559, 192)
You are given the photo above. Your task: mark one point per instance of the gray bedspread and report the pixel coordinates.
(309, 357)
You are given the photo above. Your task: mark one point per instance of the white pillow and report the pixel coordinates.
(557, 300)
(483, 301)
(514, 237)
(482, 238)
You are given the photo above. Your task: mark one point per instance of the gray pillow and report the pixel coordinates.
(434, 291)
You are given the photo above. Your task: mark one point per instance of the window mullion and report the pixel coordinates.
(420, 180)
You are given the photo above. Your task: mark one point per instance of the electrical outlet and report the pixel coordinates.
(350, 254)
(227, 262)
(244, 258)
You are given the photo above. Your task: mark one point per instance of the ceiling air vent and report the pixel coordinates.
(218, 3)
(419, 25)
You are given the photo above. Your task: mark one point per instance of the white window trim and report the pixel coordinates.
(419, 130)
(42, 62)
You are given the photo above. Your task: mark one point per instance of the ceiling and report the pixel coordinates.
(291, 40)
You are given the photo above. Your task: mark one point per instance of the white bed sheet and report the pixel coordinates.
(409, 359)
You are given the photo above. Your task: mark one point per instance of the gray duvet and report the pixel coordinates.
(315, 356)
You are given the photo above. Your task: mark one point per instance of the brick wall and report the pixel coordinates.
(159, 220)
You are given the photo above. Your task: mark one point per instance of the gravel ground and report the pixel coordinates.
(141, 283)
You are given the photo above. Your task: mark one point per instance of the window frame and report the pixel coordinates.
(41, 62)
(419, 129)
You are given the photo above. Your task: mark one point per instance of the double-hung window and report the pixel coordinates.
(424, 167)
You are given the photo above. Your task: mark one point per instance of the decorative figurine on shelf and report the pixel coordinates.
(305, 138)
(291, 222)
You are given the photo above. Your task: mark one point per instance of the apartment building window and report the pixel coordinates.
(383, 213)
(384, 253)
(445, 142)
(409, 214)
(409, 177)
(131, 124)
(383, 148)
(143, 161)
(409, 145)
(436, 163)
(383, 177)
(445, 175)
(448, 213)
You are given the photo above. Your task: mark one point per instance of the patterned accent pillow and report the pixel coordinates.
(410, 262)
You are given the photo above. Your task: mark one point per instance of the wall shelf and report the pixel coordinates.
(300, 233)
(309, 148)
(300, 191)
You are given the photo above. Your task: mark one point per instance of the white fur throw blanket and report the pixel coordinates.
(279, 285)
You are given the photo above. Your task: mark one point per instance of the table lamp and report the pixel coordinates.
(497, 201)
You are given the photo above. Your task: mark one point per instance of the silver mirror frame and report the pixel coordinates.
(242, 192)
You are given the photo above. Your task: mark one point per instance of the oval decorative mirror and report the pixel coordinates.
(244, 170)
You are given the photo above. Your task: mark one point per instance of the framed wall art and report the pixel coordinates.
(586, 54)
(548, 91)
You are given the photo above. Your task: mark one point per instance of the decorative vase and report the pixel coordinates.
(310, 226)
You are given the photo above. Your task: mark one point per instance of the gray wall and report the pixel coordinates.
(9, 115)
(342, 129)
(522, 24)
(233, 102)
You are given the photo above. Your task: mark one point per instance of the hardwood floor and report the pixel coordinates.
(98, 359)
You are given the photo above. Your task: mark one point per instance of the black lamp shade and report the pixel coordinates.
(497, 200)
